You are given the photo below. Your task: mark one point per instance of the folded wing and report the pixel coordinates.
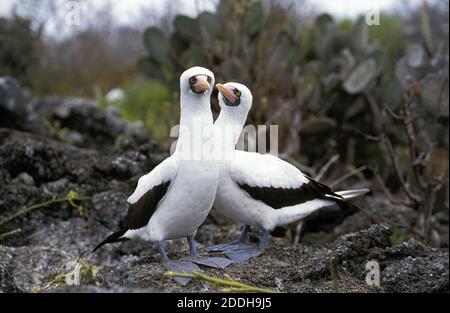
(151, 188)
(275, 182)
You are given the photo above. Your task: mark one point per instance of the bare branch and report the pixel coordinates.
(424, 157)
(438, 182)
(348, 175)
(388, 194)
(327, 165)
(411, 135)
(405, 185)
(395, 116)
(368, 137)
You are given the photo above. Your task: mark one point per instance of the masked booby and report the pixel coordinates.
(260, 189)
(174, 199)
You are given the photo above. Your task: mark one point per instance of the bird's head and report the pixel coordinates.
(197, 81)
(234, 97)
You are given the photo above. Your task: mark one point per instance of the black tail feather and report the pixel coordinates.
(114, 237)
(351, 208)
(347, 207)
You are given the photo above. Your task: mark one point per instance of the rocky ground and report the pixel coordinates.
(51, 146)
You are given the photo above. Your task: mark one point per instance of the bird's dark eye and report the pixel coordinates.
(192, 80)
(237, 93)
(209, 79)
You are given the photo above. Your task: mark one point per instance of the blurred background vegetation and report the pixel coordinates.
(376, 96)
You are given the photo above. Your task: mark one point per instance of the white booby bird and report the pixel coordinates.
(260, 189)
(174, 199)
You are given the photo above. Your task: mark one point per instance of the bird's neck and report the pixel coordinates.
(227, 129)
(196, 132)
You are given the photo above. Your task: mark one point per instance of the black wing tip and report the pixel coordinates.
(101, 244)
(114, 237)
(323, 189)
(348, 206)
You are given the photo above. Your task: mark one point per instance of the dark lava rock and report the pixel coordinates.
(109, 206)
(17, 109)
(426, 273)
(96, 127)
(27, 269)
(337, 267)
(6, 270)
(34, 169)
(74, 120)
(47, 160)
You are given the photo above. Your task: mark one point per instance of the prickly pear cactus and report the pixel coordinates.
(304, 74)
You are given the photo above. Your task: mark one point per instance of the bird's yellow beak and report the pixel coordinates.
(201, 84)
(227, 92)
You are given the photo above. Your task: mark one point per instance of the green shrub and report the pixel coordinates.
(152, 103)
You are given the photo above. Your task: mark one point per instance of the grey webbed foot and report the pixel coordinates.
(182, 266)
(215, 262)
(236, 251)
(242, 255)
(217, 248)
(231, 246)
